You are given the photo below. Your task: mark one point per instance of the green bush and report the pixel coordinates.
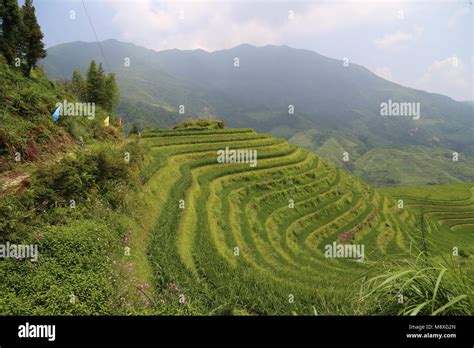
(200, 123)
(73, 260)
(17, 215)
(81, 176)
(93, 177)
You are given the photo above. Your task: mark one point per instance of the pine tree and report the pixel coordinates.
(32, 37)
(102, 97)
(110, 93)
(78, 84)
(10, 30)
(93, 83)
(101, 88)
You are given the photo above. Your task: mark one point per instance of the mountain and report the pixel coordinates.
(279, 231)
(329, 99)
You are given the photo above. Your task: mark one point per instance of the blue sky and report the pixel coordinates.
(421, 44)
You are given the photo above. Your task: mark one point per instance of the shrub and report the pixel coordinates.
(73, 260)
(200, 123)
(17, 214)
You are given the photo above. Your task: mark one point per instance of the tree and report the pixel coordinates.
(93, 84)
(102, 94)
(101, 88)
(11, 28)
(32, 37)
(78, 84)
(110, 93)
(134, 130)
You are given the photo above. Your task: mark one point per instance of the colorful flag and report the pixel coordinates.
(106, 121)
(120, 122)
(56, 114)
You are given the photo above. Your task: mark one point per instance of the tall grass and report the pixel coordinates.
(418, 286)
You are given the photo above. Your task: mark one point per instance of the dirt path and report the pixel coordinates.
(11, 182)
(13, 179)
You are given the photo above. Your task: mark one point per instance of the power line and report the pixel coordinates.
(96, 37)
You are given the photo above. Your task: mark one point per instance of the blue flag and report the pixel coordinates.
(56, 114)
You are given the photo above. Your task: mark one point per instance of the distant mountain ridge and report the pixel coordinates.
(258, 87)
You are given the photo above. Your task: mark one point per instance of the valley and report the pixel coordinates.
(311, 100)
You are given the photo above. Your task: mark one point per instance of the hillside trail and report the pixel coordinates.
(13, 180)
(16, 178)
(10, 183)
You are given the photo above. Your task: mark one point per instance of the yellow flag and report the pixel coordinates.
(106, 121)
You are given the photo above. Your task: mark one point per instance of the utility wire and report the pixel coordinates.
(96, 37)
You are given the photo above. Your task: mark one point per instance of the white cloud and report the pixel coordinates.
(185, 25)
(215, 25)
(449, 76)
(384, 72)
(398, 38)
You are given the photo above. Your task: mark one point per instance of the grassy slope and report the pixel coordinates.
(24, 126)
(81, 267)
(280, 250)
(449, 212)
(185, 261)
(413, 166)
(404, 166)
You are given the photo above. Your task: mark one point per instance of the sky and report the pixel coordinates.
(426, 45)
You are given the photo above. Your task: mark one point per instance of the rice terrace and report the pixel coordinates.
(254, 241)
(216, 164)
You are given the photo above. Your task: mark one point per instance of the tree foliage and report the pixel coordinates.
(10, 37)
(99, 88)
(21, 39)
(78, 84)
(32, 38)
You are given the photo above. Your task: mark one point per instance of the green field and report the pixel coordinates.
(238, 247)
(449, 212)
(388, 166)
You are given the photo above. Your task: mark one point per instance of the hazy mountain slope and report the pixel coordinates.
(322, 90)
(388, 166)
(142, 81)
(413, 165)
(338, 101)
(267, 80)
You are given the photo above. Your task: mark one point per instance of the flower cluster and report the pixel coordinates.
(174, 287)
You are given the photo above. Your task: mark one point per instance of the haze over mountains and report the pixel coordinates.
(337, 107)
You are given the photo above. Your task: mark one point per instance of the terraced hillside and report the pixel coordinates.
(240, 239)
(449, 216)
